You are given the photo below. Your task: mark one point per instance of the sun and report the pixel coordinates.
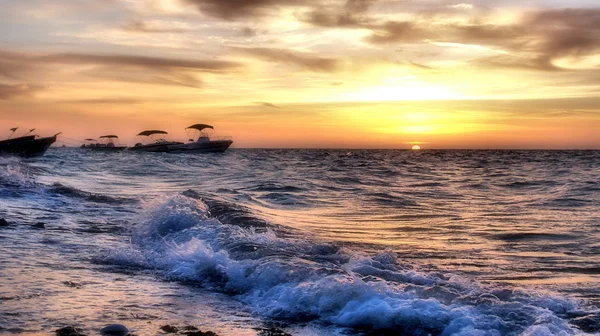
(416, 147)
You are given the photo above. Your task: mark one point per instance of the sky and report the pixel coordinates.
(306, 73)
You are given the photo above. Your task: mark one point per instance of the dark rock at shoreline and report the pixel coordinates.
(169, 329)
(187, 330)
(3, 222)
(272, 331)
(588, 324)
(200, 333)
(68, 331)
(72, 284)
(115, 330)
(39, 225)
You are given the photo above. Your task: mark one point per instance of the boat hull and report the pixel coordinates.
(26, 146)
(216, 146)
(154, 147)
(107, 149)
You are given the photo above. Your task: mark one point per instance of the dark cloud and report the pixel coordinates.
(125, 68)
(236, 9)
(137, 26)
(305, 61)
(542, 63)
(533, 43)
(10, 91)
(248, 32)
(335, 20)
(358, 6)
(352, 14)
(421, 66)
(400, 32)
(153, 63)
(267, 104)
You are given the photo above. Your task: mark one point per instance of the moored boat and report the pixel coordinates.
(153, 143)
(89, 142)
(27, 145)
(203, 143)
(109, 143)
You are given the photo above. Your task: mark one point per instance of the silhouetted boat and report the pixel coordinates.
(110, 144)
(204, 144)
(88, 143)
(27, 145)
(154, 144)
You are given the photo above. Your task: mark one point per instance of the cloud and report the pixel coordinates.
(400, 32)
(138, 26)
(535, 42)
(267, 104)
(10, 91)
(421, 66)
(352, 14)
(147, 62)
(104, 101)
(248, 32)
(463, 6)
(303, 60)
(237, 9)
(115, 67)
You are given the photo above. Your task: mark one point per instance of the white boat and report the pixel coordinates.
(203, 143)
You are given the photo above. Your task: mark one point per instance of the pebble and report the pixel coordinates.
(115, 330)
(39, 225)
(68, 331)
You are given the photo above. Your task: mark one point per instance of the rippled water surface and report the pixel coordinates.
(315, 242)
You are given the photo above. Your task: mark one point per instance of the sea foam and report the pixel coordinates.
(303, 279)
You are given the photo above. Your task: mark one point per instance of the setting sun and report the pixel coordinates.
(416, 147)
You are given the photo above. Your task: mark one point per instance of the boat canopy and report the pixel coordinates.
(150, 132)
(110, 136)
(200, 127)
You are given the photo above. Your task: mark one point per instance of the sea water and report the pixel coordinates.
(313, 242)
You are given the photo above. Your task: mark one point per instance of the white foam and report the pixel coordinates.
(349, 289)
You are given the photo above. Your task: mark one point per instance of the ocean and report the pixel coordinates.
(310, 242)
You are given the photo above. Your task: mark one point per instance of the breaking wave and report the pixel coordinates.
(281, 275)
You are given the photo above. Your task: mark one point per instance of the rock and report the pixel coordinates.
(3, 222)
(68, 331)
(39, 225)
(114, 330)
(272, 332)
(190, 328)
(200, 333)
(72, 284)
(169, 329)
(588, 324)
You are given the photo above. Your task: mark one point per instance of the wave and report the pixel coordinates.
(58, 188)
(391, 199)
(14, 176)
(276, 187)
(283, 276)
(530, 236)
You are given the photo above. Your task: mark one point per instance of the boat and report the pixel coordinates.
(109, 143)
(89, 142)
(203, 144)
(27, 145)
(155, 142)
